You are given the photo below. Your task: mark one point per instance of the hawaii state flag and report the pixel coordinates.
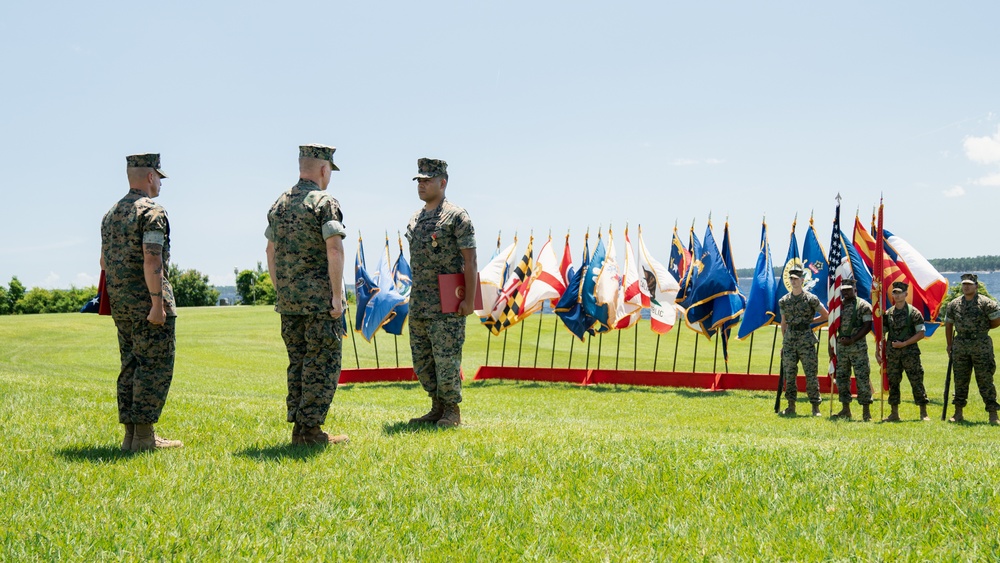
(659, 288)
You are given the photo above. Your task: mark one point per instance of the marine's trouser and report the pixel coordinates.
(977, 353)
(314, 352)
(436, 346)
(898, 361)
(854, 356)
(147, 357)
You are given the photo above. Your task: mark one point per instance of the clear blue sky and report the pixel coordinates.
(552, 115)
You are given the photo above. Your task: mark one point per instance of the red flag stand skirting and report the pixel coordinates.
(693, 380)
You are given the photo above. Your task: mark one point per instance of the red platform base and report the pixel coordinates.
(376, 375)
(694, 380)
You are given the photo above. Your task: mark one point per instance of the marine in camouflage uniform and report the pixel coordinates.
(798, 309)
(968, 320)
(852, 351)
(442, 241)
(135, 253)
(904, 327)
(305, 258)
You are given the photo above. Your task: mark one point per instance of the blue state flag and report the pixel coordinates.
(859, 271)
(364, 287)
(381, 306)
(815, 264)
(760, 310)
(402, 275)
(715, 297)
(598, 313)
(694, 248)
(569, 308)
(792, 260)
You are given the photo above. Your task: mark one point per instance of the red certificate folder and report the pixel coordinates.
(452, 290)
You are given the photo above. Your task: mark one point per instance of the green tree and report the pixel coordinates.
(191, 288)
(254, 287)
(15, 293)
(956, 291)
(4, 301)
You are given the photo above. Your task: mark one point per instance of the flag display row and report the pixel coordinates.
(698, 282)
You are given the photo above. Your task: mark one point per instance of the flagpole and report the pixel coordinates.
(587, 364)
(395, 343)
(656, 353)
(503, 351)
(694, 364)
(375, 344)
(538, 339)
(618, 351)
(677, 344)
(715, 355)
(555, 330)
(635, 348)
(774, 342)
(569, 363)
(600, 341)
(750, 358)
(347, 311)
(488, 335)
(520, 342)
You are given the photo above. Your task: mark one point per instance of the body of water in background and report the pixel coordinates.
(990, 279)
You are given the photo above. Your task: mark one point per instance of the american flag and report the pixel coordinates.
(837, 271)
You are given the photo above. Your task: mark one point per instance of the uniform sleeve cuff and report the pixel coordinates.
(334, 229)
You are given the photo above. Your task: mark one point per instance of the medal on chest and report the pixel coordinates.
(434, 240)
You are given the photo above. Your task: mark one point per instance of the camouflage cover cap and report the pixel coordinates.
(322, 152)
(899, 286)
(430, 168)
(848, 283)
(970, 278)
(149, 160)
(796, 273)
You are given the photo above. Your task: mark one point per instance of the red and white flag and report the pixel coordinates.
(546, 280)
(630, 298)
(659, 288)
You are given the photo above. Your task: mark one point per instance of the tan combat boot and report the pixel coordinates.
(994, 420)
(957, 417)
(145, 439)
(893, 414)
(789, 411)
(866, 412)
(129, 433)
(816, 410)
(452, 416)
(923, 413)
(314, 436)
(296, 434)
(845, 412)
(435, 414)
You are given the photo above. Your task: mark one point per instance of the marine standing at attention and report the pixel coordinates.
(799, 309)
(135, 252)
(442, 241)
(305, 259)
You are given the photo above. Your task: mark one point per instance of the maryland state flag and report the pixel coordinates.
(509, 306)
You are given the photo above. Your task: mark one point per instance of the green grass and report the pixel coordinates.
(539, 471)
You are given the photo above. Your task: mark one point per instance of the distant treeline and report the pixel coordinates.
(974, 264)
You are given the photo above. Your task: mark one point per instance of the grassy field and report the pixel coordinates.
(539, 471)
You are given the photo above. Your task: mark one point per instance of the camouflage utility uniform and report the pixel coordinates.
(147, 350)
(799, 344)
(437, 238)
(900, 326)
(972, 347)
(299, 223)
(853, 314)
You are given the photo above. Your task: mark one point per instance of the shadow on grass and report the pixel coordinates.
(405, 385)
(279, 452)
(393, 428)
(94, 454)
